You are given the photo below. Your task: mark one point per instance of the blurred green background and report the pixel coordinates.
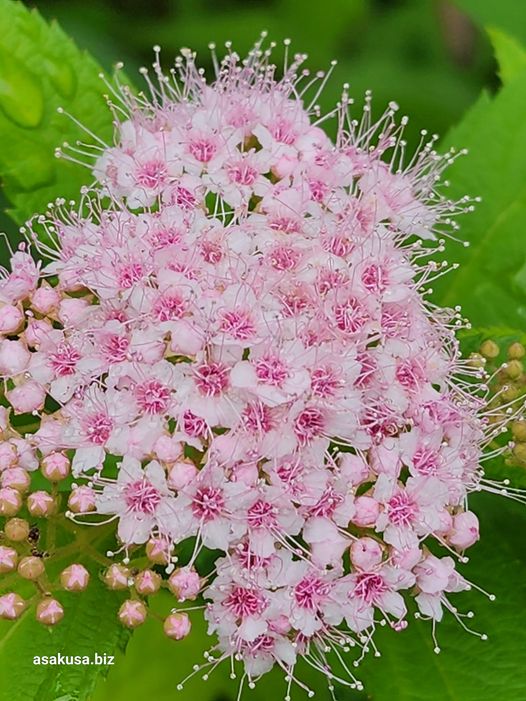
(431, 56)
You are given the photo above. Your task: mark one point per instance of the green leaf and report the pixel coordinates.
(41, 69)
(510, 54)
(491, 283)
(508, 15)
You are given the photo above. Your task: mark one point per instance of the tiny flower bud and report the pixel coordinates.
(55, 467)
(16, 529)
(366, 553)
(37, 330)
(31, 567)
(49, 611)
(132, 613)
(41, 504)
(117, 577)
(27, 397)
(81, 500)
(177, 626)
(14, 357)
(516, 351)
(465, 531)
(11, 606)
(45, 299)
(510, 393)
(16, 478)
(184, 583)
(147, 582)
(519, 452)
(514, 369)
(476, 360)
(489, 349)
(74, 578)
(10, 501)
(518, 430)
(11, 319)
(157, 551)
(8, 455)
(366, 511)
(8, 559)
(181, 474)
(167, 449)
(354, 468)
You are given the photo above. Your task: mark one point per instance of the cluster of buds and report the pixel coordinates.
(229, 343)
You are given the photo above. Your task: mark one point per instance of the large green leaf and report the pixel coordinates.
(510, 54)
(508, 15)
(41, 69)
(491, 282)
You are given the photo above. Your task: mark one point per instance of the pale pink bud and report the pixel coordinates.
(184, 583)
(158, 551)
(11, 606)
(281, 624)
(36, 331)
(117, 577)
(31, 567)
(366, 511)
(354, 468)
(167, 449)
(55, 467)
(446, 523)
(14, 357)
(406, 559)
(41, 504)
(26, 454)
(147, 582)
(11, 319)
(181, 474)
(72, 310)
(177, 626)
(366, 553)
(186, 338)
(8, 559)
(8, 455)
(74, 578)
(82, 499)
(132, 613)
(27, 397)
(49, 611)
(15, 477)
(45, 299)
(10, 501)
(16, 529)
(465, 530)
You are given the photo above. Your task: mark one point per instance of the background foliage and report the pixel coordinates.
(435, 59)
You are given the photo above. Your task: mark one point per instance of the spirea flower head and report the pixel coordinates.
(229, 343)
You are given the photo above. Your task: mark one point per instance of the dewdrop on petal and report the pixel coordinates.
(132, 613)
(11, 606)
(75, 578)
(49, 611)
(177, 626)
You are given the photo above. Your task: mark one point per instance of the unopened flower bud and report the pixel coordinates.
(16, 529)
(177, 626)
(74, 578)
(16, 478)
(49, 611)
(519, 452)
(158, 551)
(181, 474)
(11, 319)
(10, 501)
(132, 613)
(184, 583)
(366, 553)
(117, 577)
(81, 500)
(45, 299)
(354, 468)
(36, 331)
(167, 449)
(476, 360)
(514, 369)
(27, 397)
(147, 582)
(366, 511)
(510, 393)
(14, 357)
(31, 567)
(465, 531)
(518, 430)
(11, 606)
(41, 504)
(516, 351)
(8, 559)
(489, 349)
(8, 455)
(55, 467)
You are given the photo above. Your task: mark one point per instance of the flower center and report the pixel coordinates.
(64, 360)
(212, 378)
(152, 396)
(142, 497)
(245, 602)
(208, 503)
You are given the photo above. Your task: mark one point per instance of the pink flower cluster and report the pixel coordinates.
(235, 336)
